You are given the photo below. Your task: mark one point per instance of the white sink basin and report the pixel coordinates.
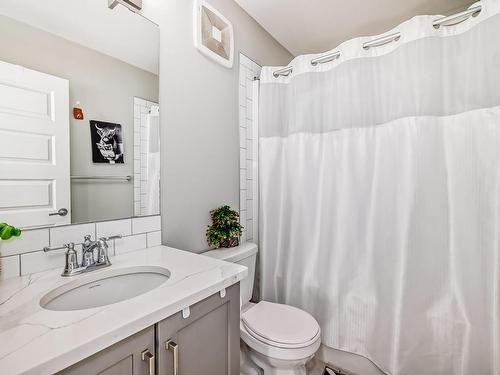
(104, 288)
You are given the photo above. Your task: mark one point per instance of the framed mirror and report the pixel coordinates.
(79, 113)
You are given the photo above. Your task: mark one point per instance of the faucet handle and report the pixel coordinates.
(71, 260)
(115, 237)
(102, 253)
(68, 246)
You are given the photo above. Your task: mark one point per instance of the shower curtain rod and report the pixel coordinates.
(452, 20)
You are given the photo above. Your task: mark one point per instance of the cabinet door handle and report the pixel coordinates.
(171, 346)
(146, 356)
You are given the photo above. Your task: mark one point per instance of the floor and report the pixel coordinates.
(316, 367)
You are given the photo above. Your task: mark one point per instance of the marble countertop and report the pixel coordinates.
(34, 340)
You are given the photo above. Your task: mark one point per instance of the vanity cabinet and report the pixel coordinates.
(206, 342)
(123, 358)
(205, 339)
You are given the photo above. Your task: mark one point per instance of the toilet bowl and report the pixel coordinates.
(276, 339)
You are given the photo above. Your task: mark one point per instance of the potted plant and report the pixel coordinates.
(7, 231)
(226, 229)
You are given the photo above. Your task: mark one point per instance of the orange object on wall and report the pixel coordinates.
(78, 113)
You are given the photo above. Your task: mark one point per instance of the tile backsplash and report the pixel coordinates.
(24, 255)
(249, 70)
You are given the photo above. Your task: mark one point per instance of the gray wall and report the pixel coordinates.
(105, 86)
(199, 104)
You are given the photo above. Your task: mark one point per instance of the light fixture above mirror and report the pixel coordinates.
(133, 5)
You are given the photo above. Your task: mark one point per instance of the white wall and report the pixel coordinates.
(199, 118)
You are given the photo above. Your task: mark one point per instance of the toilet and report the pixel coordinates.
(276, 339)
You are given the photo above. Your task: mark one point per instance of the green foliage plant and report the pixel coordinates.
(225, 230)
(8, 231)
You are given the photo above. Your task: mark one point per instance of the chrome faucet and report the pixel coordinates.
(90, 262)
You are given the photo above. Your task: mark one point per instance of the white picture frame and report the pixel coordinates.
(213, 34)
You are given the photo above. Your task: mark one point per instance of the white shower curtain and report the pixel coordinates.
(379, 196)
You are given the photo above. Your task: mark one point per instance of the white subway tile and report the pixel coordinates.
(243, 116)
(243, 75)
(70, 233)
(243, 198)
(256, 68)
(250, 74)
(140, 101)
(249, 209)
(242, 95)
(154, 238)
(30, 240)
(243, 237)
(243, 137)
(249, 168)
(249, 109)
(249, 189)
(243, 216)
(249, 89)
(245, 61)
(144, 132)
(249, 129)
(146, 224)
(243, 158)
(249, 229)
(114, 227)
(131, 243)
(249, 149)
(9, 267)
(243, 179)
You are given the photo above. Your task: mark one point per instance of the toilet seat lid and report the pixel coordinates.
(280, 324)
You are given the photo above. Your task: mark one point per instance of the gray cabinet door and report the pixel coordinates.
(208, 341)
(123, 358)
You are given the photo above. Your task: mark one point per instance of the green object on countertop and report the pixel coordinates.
(8, 231)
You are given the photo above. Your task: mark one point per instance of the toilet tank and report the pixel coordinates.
(246, 255)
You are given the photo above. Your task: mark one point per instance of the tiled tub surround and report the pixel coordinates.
(249, 70)
(24, 255)
(38, 341)
(142, 156)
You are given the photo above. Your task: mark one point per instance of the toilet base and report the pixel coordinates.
(258, 364)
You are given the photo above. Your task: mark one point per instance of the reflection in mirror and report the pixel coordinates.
(79, 114)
